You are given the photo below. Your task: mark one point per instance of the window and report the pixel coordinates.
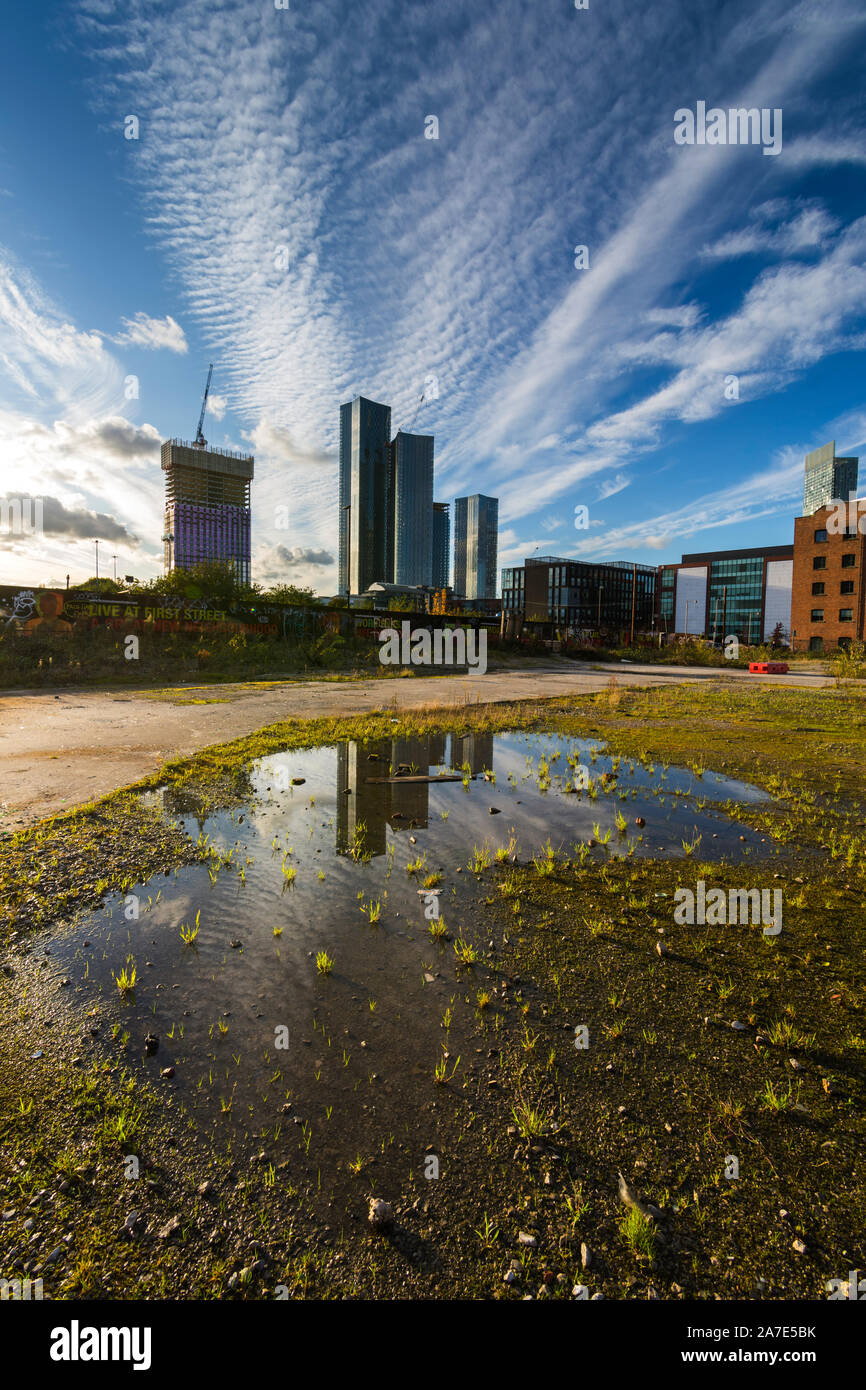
(849, 560)
(819, 562)
(820, 535)
(846, 615)
(818, 588)
(817, 615)
(816, 644)
(847, 586)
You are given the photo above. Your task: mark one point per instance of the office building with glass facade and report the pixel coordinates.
(740, 593)
(828, 479)
(366, 504)
(578, 596)
(476, 546)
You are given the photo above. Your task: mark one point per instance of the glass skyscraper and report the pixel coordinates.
(828, 478)
(476, 546)
(441, 544)
(366, 504)
(410, 488)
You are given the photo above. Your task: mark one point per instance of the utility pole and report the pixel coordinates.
(724, 612)
(96, 543)
(633, 592)
(114, 558)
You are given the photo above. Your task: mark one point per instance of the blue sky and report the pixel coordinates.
(283, 215)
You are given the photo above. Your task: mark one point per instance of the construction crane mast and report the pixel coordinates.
(200, 441)
(415, 415)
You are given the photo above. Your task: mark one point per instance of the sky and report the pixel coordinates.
(386, 197)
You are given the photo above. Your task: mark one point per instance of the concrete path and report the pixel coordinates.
(59, 750)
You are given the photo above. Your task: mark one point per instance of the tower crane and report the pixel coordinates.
(415, 414)
(200, 441)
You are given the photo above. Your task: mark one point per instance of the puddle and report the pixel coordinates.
(252, 1027)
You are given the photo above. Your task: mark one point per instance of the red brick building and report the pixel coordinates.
(828, 600)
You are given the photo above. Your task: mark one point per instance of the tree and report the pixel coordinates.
(98, 586)
(291, 595)
(212, 579)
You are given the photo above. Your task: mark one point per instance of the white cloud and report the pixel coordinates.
(611, 486)
(64, 439)
(810, 229)
(275, 444)
(153, 334)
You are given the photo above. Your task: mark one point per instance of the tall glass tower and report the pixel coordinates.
(411, 488)
(441, 544)
(828, 478)
(366, 505)
(476, 545)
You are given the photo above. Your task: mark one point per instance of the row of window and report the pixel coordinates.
(821, 534)
(849, 560)
(846, 615)
(816, 644)
(846, 587)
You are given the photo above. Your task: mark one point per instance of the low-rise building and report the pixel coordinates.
(723, 593)
(828, 607)
(579, 596)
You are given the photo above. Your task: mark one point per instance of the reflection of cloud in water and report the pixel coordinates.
(272, 981)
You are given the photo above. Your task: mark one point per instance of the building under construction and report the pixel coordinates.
(207, 503)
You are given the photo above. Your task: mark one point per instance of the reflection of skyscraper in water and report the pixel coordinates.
(362, 807)
(438, 746)
(409, 802)
(379, 804)
(474, 749)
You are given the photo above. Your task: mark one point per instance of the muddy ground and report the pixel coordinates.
(605, 1167)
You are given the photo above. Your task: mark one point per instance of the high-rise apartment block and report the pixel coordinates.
(410, 488)
(386, 501)
(207, 506)
(441, 544)
(476, 546)
(364, 499)
(828, 478)
(391, 530)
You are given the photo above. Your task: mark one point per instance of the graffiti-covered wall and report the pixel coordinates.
(57, 613)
